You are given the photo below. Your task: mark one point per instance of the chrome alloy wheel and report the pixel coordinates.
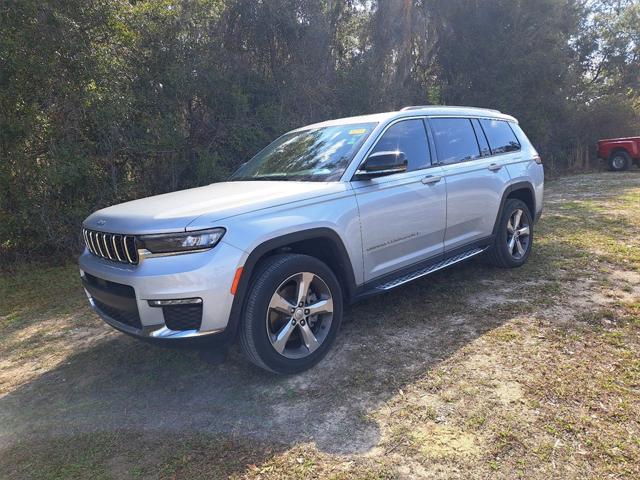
(299, 315)
(618, 162)
(518, 234)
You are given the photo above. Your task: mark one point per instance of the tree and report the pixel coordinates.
(103, 101)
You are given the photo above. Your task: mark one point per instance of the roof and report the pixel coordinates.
(432, 110)
(371, 118)
(620, 139)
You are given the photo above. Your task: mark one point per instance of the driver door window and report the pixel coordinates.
(409, 137)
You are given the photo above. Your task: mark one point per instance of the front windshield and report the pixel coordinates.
(316, 154)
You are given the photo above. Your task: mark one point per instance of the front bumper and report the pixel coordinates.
(120, 293)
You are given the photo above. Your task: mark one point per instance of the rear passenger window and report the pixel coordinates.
(501, 137)
(410, 137)
(455, 139)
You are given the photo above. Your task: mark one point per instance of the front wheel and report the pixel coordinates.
(514, 238)
(292, 314)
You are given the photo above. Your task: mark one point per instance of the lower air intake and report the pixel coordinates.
(183, 317)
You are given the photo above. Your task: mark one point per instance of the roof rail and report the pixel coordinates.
(414, 107)
(420, 107)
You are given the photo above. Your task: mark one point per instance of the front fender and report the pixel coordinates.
(280, 241)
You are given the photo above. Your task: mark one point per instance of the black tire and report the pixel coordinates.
(254, 337)
(500, 254)
(619, 161)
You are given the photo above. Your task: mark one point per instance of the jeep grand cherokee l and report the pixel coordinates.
(325, 215)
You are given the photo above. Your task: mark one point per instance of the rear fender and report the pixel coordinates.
(514, 187)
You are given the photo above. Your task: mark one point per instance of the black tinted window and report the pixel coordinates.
(501, 137)
(482, 140)
(455, 139)
(410, 137)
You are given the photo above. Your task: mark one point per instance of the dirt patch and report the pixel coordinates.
(439, 441)
(630, 277)
(43, 346)
(509, 392)
(486, 300)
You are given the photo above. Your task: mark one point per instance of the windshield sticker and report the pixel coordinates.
(357, 131)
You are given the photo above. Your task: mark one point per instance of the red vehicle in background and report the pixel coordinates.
(620, 153)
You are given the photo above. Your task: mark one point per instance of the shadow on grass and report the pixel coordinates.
(123, 385)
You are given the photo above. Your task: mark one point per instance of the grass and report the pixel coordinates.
(124, 454)
(474, 372)
(32, 291)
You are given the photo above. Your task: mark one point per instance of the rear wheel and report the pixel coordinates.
(292, 315)
(619, 161)
(512, 245)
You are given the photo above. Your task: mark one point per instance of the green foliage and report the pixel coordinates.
(103, 101)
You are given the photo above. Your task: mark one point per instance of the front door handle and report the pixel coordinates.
(431, 179)
(494, 167)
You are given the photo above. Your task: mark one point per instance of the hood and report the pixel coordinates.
(173, 212)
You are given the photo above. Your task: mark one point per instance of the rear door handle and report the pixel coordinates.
(494, 167)
(431, 179)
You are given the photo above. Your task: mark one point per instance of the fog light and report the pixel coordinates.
(180, 301)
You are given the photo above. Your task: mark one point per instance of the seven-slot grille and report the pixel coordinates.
(119, 248)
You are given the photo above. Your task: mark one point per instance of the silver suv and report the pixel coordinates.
(324, 216)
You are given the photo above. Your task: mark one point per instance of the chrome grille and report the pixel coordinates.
(118, 248)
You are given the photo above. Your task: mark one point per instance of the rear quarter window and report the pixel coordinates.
(500, 136)
(522, 137)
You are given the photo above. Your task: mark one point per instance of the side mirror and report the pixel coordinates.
(380, 164)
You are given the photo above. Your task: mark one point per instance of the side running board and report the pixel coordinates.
(396, 282)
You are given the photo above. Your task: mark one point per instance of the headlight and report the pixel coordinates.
(181, 242)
